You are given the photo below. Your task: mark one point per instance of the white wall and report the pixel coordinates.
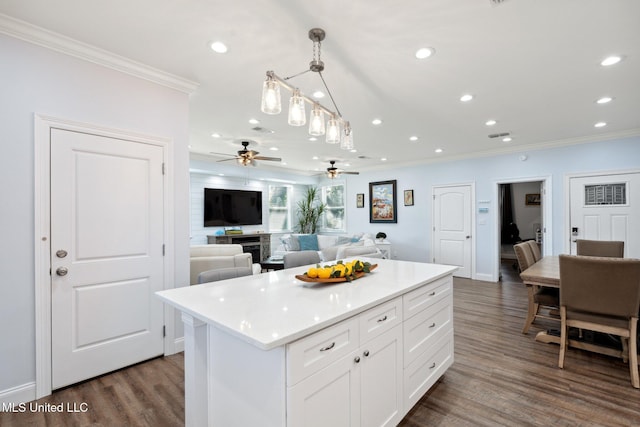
(411, 236)
(37, 80)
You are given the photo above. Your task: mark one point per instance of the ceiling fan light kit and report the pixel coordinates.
(337, 129)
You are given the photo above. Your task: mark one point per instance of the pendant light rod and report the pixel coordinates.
(282, 82)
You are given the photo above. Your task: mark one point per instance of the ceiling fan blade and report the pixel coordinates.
(350, 173)
(271, 159)
(222, 154)
(226, 160)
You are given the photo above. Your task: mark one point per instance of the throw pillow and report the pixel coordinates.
(294, 245)
(344, 239)
(308, 242)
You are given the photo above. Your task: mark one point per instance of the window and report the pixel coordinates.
(333, 218)
(605, 194)
(279, 208)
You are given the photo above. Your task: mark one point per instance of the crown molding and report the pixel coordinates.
(51, 40)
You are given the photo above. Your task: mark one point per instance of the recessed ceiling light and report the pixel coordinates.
(347, 164)
(354, 151)
(313, 138)
(220, 174)
(318, 94)
(466, 98)
(215, 135)
(438, 150)
(189, 146)
(425, 52)
(600, 124)
(413, 138)
(315, 157)
(273, 148)
(604, 100)
(506, 139)
(284, 163)
(490, 122)
(384, 159)
(611, 60)
(218, 47)
(376, 122)
(254, 121)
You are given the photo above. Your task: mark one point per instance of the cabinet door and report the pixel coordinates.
(381, 380)
(330, 397)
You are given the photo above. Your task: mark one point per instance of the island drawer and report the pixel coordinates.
(426, 327)
(421, 298)
(380, 319)
(316, 351)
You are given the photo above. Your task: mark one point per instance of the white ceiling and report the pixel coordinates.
(531, 65)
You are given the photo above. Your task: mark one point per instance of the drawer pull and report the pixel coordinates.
(433, 325)
(366, 353)
(433, 365)
(432, 293)
(329, 347)
(382, 319)
(357, 359)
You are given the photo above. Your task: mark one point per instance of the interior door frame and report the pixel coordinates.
(42, 233)
(547, 216)
(567, 200)
(472, 186)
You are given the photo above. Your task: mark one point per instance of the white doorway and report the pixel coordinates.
(101, 203)
(543, 184)
(453, 227)
(605, 207)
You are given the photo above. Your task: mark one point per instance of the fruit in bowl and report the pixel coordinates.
(348, 270)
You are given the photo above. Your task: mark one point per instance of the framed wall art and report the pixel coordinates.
(360, 200)
(382, 202)
(408, 197)
(532, 199)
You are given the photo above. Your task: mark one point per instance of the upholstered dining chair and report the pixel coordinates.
(605, 248)
(298, 258)
(601, 294)
(535, 250)
(538, 297)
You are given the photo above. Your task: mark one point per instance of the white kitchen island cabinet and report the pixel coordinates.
(270, 350)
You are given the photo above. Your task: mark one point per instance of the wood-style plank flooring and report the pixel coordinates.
(500, 378)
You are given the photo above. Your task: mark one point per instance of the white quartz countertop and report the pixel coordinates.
(272, 309)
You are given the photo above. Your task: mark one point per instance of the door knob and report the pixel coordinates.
(62, 271)
(61, 253)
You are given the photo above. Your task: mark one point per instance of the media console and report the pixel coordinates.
(257, 244)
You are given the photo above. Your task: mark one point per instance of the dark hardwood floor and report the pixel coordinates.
(500, 378)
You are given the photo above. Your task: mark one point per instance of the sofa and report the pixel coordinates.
(330, 247)
(219, 256)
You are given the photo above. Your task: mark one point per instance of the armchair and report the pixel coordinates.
(211, 257)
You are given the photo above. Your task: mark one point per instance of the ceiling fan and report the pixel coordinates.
(247, 157)
(334, 172)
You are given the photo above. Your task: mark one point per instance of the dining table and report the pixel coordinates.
(546, 272)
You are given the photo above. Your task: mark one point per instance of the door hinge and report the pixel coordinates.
(434, 197)
(163, 249)
(164, 331)
(163, 170)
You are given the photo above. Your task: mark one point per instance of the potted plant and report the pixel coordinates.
(309, 211)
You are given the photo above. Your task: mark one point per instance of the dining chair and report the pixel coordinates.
(605, 248)
(298, 258)
(538, 297)
(535, 250)
(601, 294)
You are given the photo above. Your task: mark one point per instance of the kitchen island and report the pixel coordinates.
(271, 350)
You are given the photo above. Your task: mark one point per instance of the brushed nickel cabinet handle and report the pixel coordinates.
(382, 319)
(329, 347)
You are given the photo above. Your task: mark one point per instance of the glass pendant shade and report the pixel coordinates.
(271, 103)
(316, 121)
(347, 138)
(297, 116)
(333, 131)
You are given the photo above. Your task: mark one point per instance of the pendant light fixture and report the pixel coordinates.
(271, 102)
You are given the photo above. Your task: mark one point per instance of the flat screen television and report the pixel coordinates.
(226, 208)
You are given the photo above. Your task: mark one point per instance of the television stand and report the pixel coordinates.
(257, 244)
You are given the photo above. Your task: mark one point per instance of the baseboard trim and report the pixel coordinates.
(484, 277)
(20, 394)
(178, 345)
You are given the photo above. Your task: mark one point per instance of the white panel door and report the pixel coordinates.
(606, 207)
(452, 228)
(106, 254)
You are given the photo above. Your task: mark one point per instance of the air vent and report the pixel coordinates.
(496, 2)
(363, 157)
(260, 129)
(499, 135)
